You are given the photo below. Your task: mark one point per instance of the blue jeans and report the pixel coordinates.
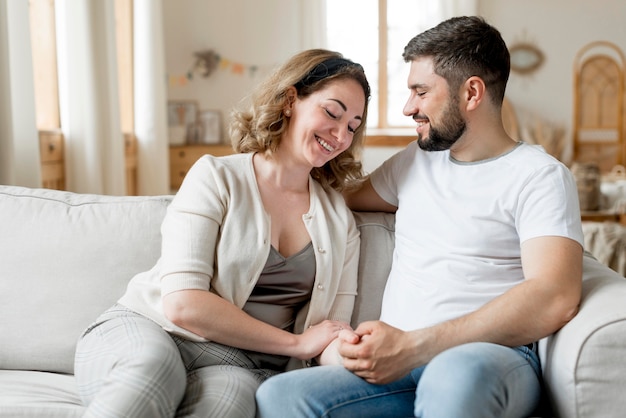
(479, 380)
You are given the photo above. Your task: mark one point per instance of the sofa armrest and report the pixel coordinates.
(583, 366)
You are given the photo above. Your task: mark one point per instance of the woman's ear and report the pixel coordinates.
(290, 98)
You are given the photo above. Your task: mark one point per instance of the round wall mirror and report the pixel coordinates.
(525, 58)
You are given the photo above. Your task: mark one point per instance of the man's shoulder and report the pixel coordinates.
(533, 158)
(533, 153)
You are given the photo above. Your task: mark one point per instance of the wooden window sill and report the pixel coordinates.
(391, 137)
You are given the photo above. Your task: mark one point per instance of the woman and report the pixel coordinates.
(259, 258)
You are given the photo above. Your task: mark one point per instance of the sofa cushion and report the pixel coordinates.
(38, 394)
(377, 244)
(65, 259)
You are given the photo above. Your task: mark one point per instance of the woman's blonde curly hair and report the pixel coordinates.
(259, 126)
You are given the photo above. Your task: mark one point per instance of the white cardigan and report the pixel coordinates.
(216, 236)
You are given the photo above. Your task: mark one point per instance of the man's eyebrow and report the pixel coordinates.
(417, 86)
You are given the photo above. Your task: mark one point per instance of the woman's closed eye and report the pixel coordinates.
(331, 114)
(334, 116)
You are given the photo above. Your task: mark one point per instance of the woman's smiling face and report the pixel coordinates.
(322, 124)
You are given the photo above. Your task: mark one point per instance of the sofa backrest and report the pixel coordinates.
(65, 258)
(377, 244)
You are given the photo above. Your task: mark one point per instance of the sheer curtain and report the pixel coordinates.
(150, 98)
(19, 144)
(312, 22)
(89, 102)
(451, 8)
(88, 97)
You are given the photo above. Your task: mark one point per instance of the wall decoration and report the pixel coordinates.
(211, 126)
(525, 57)
(182, 117)
(206, 62)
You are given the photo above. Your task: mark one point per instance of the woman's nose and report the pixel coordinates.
(344, 136)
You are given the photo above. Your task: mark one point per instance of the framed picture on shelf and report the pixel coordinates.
(182, 121)
(211, 126)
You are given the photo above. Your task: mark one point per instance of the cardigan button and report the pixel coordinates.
(321, 250)
(320, 286)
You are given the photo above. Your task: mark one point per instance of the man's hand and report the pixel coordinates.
(383, 353)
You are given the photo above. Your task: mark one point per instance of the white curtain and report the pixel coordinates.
(89, 102)
(150, 98)
(312, 23)
(451, 8)
(88, 97)
(19, 144)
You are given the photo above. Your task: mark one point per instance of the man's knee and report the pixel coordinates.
(476, 380)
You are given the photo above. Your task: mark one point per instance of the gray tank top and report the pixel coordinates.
(285, 285)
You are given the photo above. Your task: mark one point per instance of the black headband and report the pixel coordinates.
(325, 69)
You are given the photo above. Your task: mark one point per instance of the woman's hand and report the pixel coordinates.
(331, 355)
(316, 338)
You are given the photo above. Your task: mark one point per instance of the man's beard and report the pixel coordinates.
(441, 139)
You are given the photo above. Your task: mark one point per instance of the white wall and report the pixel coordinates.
(559, 28)
(266, 33)
(249, 32)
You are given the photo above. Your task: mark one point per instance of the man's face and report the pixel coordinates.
(433, 107)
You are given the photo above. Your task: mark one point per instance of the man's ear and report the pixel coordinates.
(474, 92)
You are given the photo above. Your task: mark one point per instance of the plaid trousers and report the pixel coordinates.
(126, 365)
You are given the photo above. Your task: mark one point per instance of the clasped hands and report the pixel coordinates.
(375, 351)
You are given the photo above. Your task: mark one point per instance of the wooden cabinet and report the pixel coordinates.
(130, 160)
(52, 154)
(52, 160)
(182, 158)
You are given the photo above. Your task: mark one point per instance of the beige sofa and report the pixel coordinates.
(66, 257)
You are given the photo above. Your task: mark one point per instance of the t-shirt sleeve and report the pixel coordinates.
(548, 205)
(387, 177)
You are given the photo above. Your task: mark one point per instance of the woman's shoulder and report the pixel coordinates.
(227, 160)
(221, 173)
(234, 164)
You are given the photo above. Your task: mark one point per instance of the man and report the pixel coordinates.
(488, 256)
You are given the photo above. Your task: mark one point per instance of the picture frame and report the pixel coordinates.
(182, 120)
(211, 126)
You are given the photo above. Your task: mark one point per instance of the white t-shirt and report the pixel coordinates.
(459, 227)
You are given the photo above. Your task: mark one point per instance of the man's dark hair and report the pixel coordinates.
(462, 47)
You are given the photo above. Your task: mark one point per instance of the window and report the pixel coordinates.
(44, 53)
(43, 39)
(374, 33)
